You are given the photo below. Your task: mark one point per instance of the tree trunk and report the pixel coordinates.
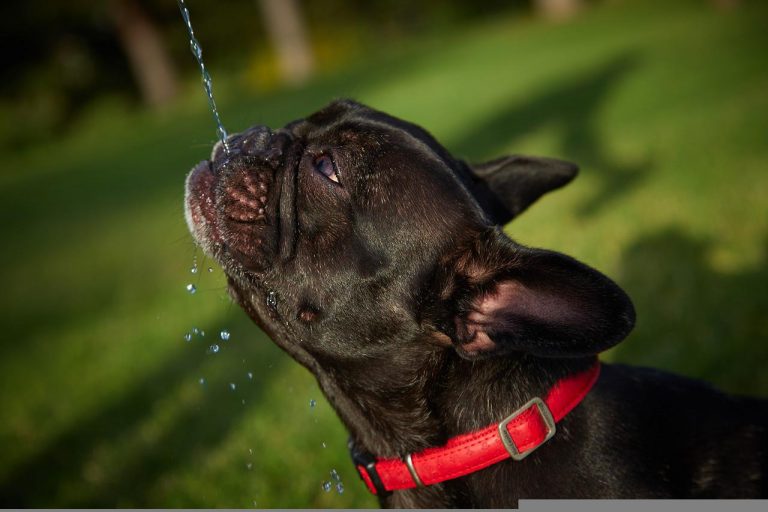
(725, 5)
(143, 45)
(558, 10)
(288, 36)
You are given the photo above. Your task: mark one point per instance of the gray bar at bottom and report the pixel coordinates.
(643, 505)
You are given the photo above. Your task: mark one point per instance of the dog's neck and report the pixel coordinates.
(396, 406)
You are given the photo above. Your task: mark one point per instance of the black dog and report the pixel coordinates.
(374, 258)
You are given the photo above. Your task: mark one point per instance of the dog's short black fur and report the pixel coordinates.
(375, 259)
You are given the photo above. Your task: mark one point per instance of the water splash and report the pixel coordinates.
(197, 51)
(272, 300)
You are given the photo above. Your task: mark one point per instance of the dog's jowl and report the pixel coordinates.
(463, 364)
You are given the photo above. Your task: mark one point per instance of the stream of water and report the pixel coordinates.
(197, 51)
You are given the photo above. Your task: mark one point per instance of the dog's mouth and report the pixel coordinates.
(240, 203)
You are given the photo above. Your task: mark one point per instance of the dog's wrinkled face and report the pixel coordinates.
(334, 232)
(337, 216)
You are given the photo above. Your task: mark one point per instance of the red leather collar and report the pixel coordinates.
(515, 437)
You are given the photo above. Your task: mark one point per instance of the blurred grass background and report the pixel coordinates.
(663, 104)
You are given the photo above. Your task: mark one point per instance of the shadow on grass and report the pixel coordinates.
(572, 107)
(693, 318)
(62, 473)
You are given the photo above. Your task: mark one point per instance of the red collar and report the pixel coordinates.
(517, 436)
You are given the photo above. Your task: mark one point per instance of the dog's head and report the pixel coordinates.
(353, 234)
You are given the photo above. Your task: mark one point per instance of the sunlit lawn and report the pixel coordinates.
(664, 105)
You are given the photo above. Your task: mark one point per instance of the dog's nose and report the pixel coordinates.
(255, 141)
(252, 142)
(258, 142)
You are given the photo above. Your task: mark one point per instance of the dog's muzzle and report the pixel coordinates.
(233, 201)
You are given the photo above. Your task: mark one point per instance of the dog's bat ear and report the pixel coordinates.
(509, 298)
(506, 186)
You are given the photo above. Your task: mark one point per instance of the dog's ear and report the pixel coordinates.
(506, 186)
(504, 298)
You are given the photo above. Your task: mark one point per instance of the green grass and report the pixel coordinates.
(663, 104)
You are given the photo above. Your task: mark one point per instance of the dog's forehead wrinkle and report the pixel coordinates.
(425, 148)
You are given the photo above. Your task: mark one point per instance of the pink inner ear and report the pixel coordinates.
(510, 296)
(483, 312)
(513, 299)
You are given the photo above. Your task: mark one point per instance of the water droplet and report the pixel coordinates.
(340, 488)
(210, 269)
(327, 486)
(249, 465)
(191, 288)
(195, 330)
(312, 403)
(254, 503)
(232, 386)
(242, 401)
(250, 451)
(325, 445)
(193, 270)
(202, 332)
(224, 335)
(188, 336)
(201, 380)
(250, 375)
(272, 300)
(335, 476)
(213, 349)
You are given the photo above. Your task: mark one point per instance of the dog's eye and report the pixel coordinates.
(325, 166)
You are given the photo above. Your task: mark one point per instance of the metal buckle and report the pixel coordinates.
(412, 470)
(368, 462)
(545, 414)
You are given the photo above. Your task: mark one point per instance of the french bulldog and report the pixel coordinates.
(376, 260)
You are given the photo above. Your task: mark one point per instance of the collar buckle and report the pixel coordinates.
(546, 416)
(365, 463)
